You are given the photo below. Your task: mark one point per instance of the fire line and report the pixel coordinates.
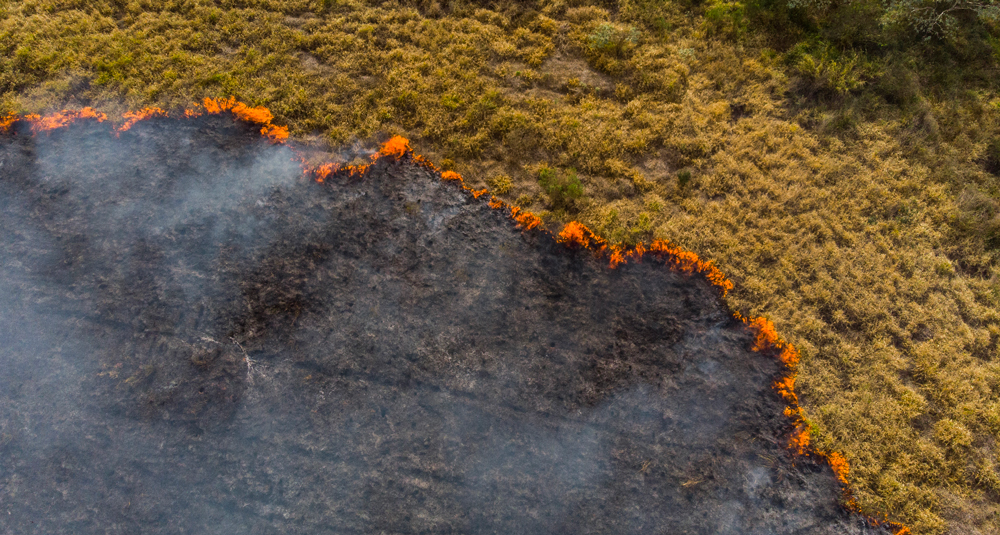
(573, 235)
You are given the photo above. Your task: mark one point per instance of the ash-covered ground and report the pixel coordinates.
(194, 338)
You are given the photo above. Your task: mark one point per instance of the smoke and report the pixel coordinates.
(195, 339)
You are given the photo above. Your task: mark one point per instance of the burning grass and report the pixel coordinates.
(866, 232)
(573, 235)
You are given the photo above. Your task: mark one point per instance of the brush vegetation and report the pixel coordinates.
(838, 161)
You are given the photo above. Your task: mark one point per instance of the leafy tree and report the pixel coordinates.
(928, 18)
(935, 18)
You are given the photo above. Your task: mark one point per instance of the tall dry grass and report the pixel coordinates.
(868, 235)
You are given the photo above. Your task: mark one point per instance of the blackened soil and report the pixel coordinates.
(196, 339)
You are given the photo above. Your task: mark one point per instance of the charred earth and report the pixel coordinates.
(195, 338)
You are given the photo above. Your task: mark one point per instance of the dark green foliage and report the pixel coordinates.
(562, 186)
(683, 178)
(825, 69)
(727, 19)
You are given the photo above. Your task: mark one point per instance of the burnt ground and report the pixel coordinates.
(196, 339)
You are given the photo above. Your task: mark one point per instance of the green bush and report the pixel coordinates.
(824, 70)
(613, 40)
(562, 186)
(726, 19)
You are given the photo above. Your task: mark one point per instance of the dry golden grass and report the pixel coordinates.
(870, 240)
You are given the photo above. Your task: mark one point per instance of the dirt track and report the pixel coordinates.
(417, 364)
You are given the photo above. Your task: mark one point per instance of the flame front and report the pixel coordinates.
(573, 234)
(576, 234)
(132, 117)
(57, 120)
(254, 115)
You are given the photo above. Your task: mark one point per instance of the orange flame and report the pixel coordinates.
(259, 115)
(616, 257)
(766, 339)
(574, 233)
(254, 115)
(396, 147)
(525, 220)
(688, 262)
(839, 465)
(325, 171)
(275, 133)
(217, 106)
(132, 117)
(786, 388)
(799, 441)
(8, 120)
(639, 250)
(424, 162)
(63, 118)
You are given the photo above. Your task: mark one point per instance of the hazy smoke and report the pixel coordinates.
(195, 339)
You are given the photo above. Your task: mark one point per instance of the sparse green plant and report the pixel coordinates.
(944, 268)
(524, 200)
(654, 203)
(683, 178)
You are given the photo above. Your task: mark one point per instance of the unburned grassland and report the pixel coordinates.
(868, 232)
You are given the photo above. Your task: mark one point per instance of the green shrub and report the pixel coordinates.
(613, 40)
(726, 19)
(562, 186)
(823, 69)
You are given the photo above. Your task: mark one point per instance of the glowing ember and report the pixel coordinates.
(8, 120)
(799, 441)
